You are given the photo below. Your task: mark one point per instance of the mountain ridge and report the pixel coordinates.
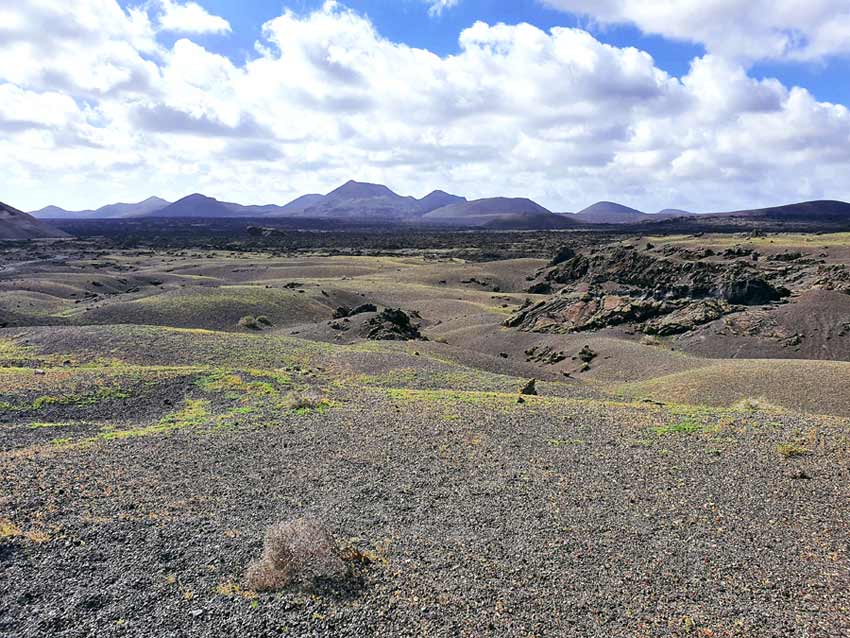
(367, 202)
(110, 211)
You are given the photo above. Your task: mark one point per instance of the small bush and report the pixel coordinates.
(299, 401)
(264, 321)
(300, 551)
(751, 404)
(790, 450)
(250, 323)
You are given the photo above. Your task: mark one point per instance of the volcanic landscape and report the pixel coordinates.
(598, 431)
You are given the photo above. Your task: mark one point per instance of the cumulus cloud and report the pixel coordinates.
(190, 17)
(556, 115)
(748, 31)
(90, 48)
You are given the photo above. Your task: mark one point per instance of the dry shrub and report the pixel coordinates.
(752, 404)
(249, 323)
(304, 401)
(300, 551)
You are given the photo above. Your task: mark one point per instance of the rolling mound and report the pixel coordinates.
(817, 387)
(15, 224)
(218, 308)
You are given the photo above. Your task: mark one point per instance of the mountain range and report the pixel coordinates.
(111, 211)
(364, 202)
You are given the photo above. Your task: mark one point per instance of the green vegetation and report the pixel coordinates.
(791, 450)
(84, 399)
(195, 413)
(681, 427)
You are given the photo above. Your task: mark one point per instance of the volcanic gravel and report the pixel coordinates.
(484, 516)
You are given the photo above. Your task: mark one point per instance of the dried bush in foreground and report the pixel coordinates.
(300, 551)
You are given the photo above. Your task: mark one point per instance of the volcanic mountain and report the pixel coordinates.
(364, 201)
(197, 205)
(16, 224)
(498, 212)
(610, 213)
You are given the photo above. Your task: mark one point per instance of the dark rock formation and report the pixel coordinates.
(345, 311)
(529, 389)
(688, 317)
(392, 324)
(623, 285)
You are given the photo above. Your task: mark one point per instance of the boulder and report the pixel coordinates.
(529, 388)
(392, 324)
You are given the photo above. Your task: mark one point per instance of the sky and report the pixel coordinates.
(706, 105)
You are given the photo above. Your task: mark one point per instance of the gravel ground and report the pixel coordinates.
(555, 517)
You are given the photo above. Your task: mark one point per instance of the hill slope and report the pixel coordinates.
(196, 205)
(438, 199)
(818, 210)
(16, 224)
(610, 213)
(672, 213)
(498, 212)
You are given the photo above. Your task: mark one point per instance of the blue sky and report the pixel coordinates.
(699, 104)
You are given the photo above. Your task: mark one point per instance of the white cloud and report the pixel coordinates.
(558, 116)
(438, 6)
(190, 17)
(90, 47)
(745, 30)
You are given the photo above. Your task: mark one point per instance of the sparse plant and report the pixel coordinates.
(299, 551)
(791, 450)
(8, 529)
(751, 404)
(249, 322)
(263, 320)
(305, 401)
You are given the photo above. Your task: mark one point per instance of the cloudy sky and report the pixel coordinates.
(699, 104)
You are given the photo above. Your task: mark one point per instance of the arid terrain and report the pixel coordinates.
(680, 467)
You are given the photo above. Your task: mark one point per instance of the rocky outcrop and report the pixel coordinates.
(688, 317)
(663, 277)
(579, 313)
(392, 324)
(345, 311)
(664, 292)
